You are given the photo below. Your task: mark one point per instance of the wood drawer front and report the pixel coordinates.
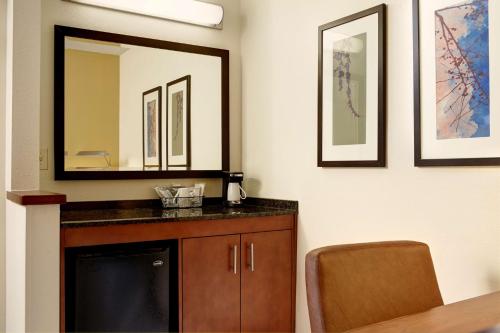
(131, 233)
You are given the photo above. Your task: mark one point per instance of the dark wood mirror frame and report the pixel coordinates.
(59, 87)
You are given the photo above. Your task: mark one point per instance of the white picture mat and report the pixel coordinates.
(368, 151)
(155, 161)
(178, 87)
(432, 148)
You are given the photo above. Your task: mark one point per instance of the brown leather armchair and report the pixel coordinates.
(350, 286)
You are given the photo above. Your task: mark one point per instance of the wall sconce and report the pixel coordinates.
(186, 11)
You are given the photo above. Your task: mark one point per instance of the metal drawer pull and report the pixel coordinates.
(252, 260)
(235, 259)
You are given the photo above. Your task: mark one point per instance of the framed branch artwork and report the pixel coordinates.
(151, 128)
(457, 120)
(351, 91)
(179, 122)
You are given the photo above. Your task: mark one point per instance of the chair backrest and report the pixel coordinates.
(350, 286)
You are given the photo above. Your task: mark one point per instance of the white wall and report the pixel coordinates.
(32, 296)
(19, 100)
(42, 268)
(3, 26)
(142, 69)
(15, 298)
(23, 94)
(455, 210)
(70, 14)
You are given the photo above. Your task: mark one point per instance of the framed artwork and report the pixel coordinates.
(179, 122)
(151, 128)
(457, 121)
(351, 91)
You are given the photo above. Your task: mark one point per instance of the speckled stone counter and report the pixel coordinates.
(88, 214)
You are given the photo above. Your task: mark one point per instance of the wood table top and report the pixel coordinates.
(469, 316)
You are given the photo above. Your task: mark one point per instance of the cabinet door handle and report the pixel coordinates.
(235, 259)
(252, 258)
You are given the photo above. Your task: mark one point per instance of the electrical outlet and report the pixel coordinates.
(44, 159)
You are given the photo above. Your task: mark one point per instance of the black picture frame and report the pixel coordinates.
(60, 174)
(380, 162)
(158, 91)
(187, 79)
(418, 160)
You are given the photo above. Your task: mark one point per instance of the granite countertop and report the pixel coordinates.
(87, 214)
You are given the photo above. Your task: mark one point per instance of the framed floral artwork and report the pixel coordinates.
(151, 128)
(456, 118)
(351, 91)
(179, 122)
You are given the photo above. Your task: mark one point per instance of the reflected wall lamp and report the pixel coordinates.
(96, 153)
(186, 11)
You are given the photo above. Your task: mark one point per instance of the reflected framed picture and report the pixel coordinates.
(457, 120)
(351, 91)
(151, 128)
(179, 122)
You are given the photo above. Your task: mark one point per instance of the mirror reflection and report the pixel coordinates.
(132, 108)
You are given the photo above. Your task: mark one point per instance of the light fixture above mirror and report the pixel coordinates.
(186, 11)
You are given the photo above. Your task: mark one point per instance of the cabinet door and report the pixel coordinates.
(267, 282)
(211, 284)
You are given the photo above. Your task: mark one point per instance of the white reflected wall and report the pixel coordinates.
(142, 69)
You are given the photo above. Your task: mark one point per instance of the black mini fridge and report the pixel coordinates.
(122, 288)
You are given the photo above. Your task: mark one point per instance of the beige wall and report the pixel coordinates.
(3, 19)
(65, 13)
(92, 110)
(15, 296)
(42, 268)
(32, 279)
(21, 132)
(455, 210)
(23, 94)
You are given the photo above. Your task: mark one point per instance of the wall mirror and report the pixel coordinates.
(134, 108)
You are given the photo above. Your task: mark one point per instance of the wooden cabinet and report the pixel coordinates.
(211, 284)
(235, 275)
(266, 286)
(238, 283)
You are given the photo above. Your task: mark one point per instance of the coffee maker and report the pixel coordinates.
(232, 192)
